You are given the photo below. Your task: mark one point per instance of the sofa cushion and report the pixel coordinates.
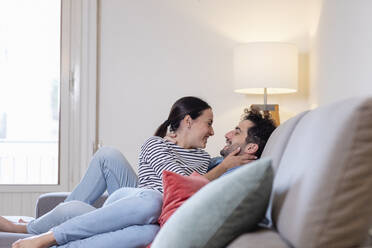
(262, 238)
(322, 188)
(221, 210)
(7, 239)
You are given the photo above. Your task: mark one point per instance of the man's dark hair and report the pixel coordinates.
(264, 125)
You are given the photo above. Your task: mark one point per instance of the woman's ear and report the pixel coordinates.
(188, 120)
(251, 148)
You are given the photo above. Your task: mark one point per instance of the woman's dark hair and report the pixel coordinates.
(188, 105)
(263, 127)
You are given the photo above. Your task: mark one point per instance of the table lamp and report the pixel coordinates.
(266, 68)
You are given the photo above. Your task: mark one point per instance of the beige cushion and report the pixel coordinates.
(322, 189)
(263, 238)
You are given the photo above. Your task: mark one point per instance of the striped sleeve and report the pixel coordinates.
(158, 155)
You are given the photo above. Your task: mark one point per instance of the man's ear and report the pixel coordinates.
(251, 148)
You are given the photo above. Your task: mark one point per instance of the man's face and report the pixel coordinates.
(236, 138)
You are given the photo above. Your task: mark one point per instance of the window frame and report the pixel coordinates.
(78, 93)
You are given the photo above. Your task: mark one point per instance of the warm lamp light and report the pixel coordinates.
(266, 68)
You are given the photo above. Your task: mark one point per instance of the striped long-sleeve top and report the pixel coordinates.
(158, 154)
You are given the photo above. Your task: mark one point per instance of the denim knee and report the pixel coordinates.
(112, 159)
(109, 152)
(119, 194)
(152, 205)
(72, 208)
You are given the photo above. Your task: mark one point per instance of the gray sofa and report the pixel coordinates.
(322, 191)
(44, 204)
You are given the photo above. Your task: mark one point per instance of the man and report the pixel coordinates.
(250, 137)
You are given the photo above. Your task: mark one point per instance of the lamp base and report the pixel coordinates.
(273, 109)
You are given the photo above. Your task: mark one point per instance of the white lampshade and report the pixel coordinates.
(271, 65)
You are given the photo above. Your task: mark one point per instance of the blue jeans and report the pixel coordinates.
(127, 219)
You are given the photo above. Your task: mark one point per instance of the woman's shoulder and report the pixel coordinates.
(155, 146)
(154, 141)
(202, 153)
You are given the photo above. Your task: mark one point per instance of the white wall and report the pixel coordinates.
(154, 52)
(341, 57)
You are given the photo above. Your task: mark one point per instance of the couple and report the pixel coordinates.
(129, 216)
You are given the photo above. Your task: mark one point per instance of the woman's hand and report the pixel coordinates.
(171, 137)
(233, 159)
(230, 161)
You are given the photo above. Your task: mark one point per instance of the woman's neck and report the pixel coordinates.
(182, 140)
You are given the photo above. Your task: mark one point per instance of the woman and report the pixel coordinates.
(128, 217)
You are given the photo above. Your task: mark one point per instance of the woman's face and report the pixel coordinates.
(200, 129)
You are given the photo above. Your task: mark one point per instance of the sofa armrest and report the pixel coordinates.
(48, 201)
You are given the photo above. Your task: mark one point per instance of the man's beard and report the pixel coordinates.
(230, 148)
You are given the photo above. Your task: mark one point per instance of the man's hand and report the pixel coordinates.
(233, 159)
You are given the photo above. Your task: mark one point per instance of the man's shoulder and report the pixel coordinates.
(214, 162)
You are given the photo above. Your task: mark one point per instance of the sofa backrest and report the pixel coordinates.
(279, 139)
(274, 149)
(322, 188)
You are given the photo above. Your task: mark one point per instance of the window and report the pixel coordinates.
(30, 55)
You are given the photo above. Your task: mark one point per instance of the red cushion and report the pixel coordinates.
(177, 189)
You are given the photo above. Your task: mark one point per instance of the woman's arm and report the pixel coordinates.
(231, 161)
